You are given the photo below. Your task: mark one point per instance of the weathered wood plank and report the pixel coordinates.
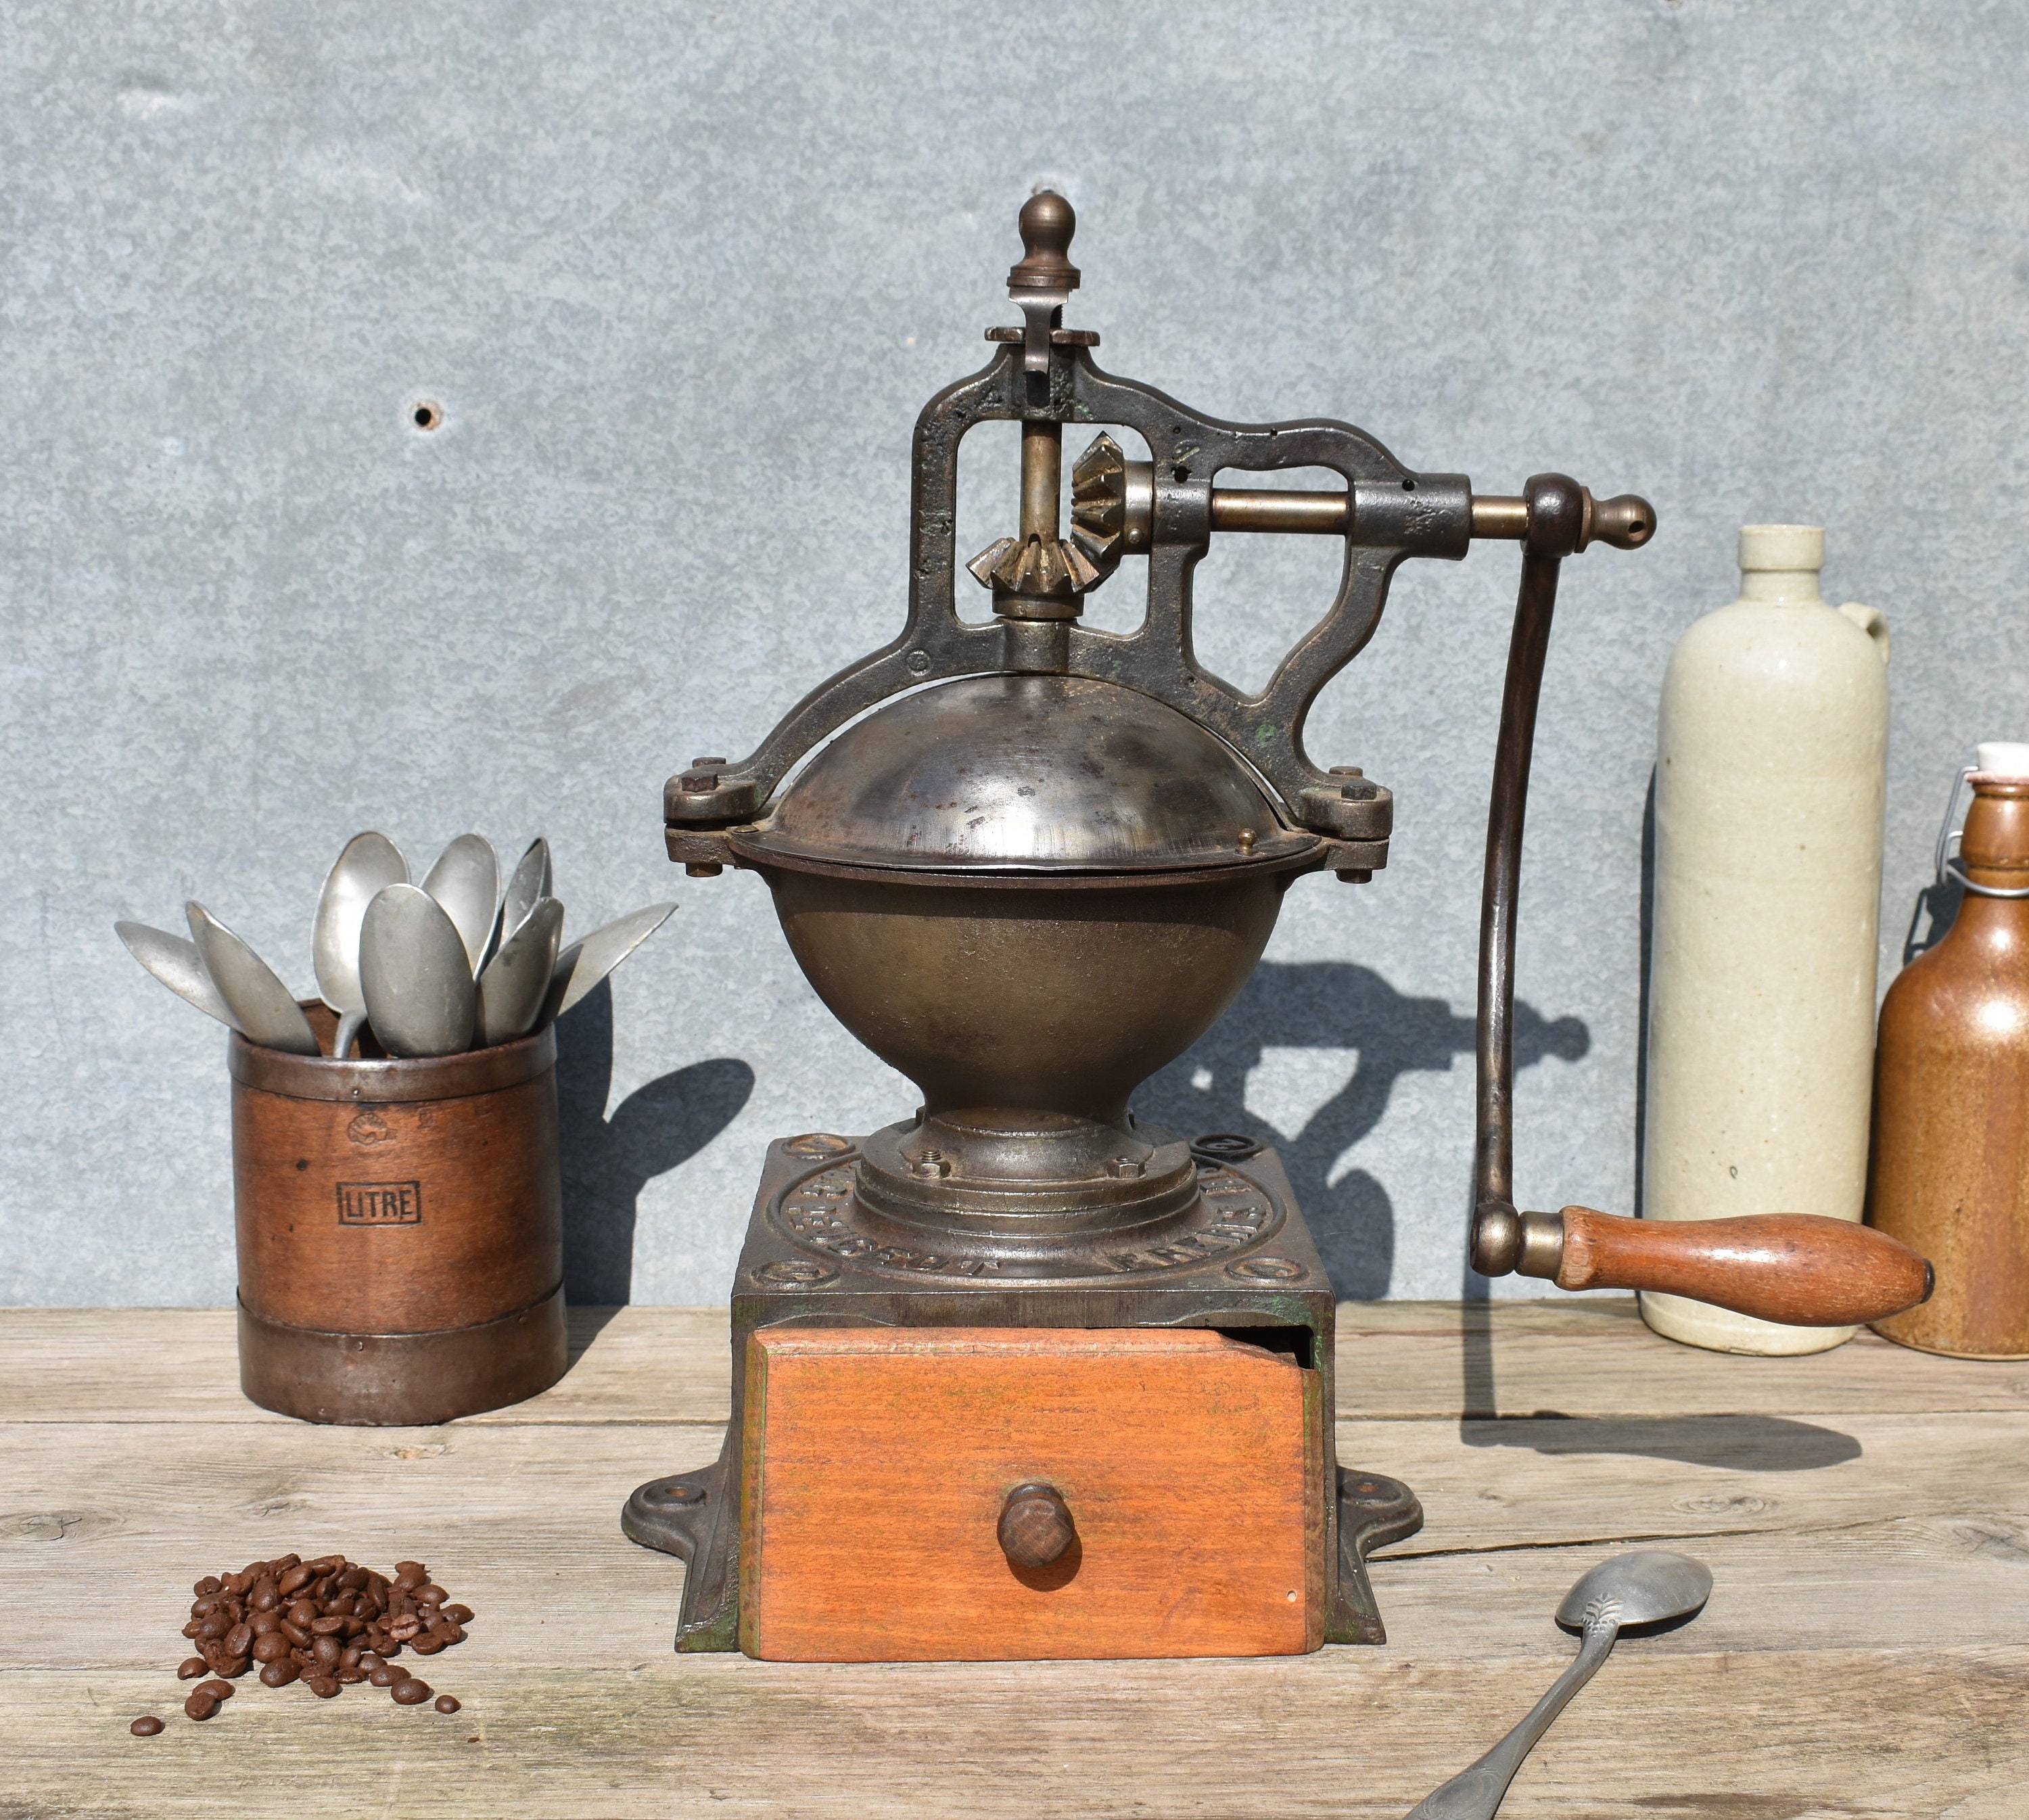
(1402, 1359)
(1592, 1355)
(170, 1365)
(1910, 1516)
(1864, 1735)
(1847, 1513)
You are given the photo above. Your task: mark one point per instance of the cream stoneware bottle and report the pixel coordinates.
(1772, 747)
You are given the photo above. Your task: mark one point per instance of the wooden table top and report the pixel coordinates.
(1865, 1654)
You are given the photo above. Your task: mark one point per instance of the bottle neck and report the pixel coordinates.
(1781, 586)
(1994, 850)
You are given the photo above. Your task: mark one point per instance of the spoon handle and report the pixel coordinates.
(1476, 1793)
(349, 1027)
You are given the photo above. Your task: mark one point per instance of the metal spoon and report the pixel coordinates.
(413, 968)
(263, 1010)
(177, 964)
(583, 964)
(516, 979)
(532, 883)
(370, 863)
(466, 881)
(1646, 1586)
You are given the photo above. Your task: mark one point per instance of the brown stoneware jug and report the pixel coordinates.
(1950, 1170)
(400, 1230)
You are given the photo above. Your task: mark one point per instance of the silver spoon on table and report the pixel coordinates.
(1649, 1586)
(369, 864)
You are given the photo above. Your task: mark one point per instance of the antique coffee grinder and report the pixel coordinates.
(1023, 1375)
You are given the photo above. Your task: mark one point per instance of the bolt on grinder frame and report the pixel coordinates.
(1025, 1375)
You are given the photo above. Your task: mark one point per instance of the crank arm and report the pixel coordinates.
(1803, 1269)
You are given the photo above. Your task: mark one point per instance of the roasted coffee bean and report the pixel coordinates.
(301, 1611)
(353, 1578)
(279, 1673)
(402, 1629)
(349, 1656)
(386, 1674)
(239, 1639)
(351, 1677)
(410, 1692)
(264, 1597)
(281, 1564)
(263, 1622)
(369, 1659)
(293, 1580)
(234, 1667)
(295, 1632)
(190, 1668)
(200, 1705)
(271, 1648)
(191, 1628)
(219, 1690)
(327, 1651)
(215, 1625)
(459, 1614)
(431, 1595)
(414, 1572)
(325, 1686)
(445, 1703)
(145, 1727)
(326, 1626)
(237, 1583)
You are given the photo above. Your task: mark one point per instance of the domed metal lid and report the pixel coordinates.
(1026, 774)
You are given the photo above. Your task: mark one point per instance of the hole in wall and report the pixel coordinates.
(426, 414)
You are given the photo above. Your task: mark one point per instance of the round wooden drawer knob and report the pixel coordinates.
(1035, 1526)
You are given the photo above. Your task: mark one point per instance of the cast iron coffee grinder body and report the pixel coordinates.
(1035, 875)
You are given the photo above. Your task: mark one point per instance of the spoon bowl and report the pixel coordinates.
(264, 1011)
(531, 882)
(583, 964)
(466, 880)
(369, 864)
(413, 968)
(1649, 1586)
(516, 979)
(177, 964)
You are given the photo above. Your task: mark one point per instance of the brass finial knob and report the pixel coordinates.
(1047, 222)
(1035, 1526)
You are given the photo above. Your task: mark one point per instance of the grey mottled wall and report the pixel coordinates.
(681, 279)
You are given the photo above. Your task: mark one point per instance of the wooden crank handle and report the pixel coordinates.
(1803, 1269)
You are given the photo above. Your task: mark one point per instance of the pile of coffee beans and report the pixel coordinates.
(329, 1623)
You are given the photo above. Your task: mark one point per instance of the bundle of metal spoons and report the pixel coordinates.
(1650, 1586)
(459, 962)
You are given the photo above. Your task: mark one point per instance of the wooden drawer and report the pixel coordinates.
(877, 1461)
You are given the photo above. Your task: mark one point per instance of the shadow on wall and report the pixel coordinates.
(1334, 1005)
(608, 1160)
